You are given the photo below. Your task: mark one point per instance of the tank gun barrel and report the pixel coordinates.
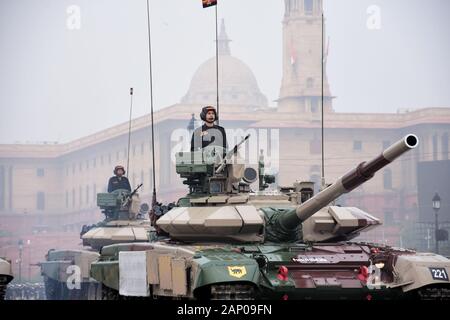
(349, 181)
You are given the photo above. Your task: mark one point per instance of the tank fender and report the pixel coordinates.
(207, 272)
(420, 270)
(58, 262)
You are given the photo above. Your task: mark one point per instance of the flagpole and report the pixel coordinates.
(217, 63)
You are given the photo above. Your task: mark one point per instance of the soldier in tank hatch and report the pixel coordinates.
(118, 181)
(209, 134)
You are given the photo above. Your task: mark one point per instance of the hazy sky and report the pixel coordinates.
(59, 84)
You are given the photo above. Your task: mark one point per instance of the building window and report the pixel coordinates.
(388, 218)
(101, 160)
(316, 179)
(73, 168)
(80, 198)
(310, 83)
(87, 194)
(142, 179)
(40, 203)
(67, 199)
(357, 145)
(134, 151)
(125, 152)
(445, 154)
(67, 171)
(117, 155)
(80, 166)
(94, 192)
(109, 158)
(294, 5)
(73, 198)
(309, 6)
(435, 147)
(40, 172)
(315, 146)
(386, 144)
(2, 187)
(87, 164)
(387, 179)
(94, 162)
(133, 181)
(142, 148)
(314, 105)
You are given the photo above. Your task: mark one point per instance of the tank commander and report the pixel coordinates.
(208, 134)
(119, 181)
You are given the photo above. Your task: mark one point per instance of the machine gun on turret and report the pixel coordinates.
(230, 154)
(128, 197)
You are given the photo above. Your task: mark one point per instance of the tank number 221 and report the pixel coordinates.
(439, 274)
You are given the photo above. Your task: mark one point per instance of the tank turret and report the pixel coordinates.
(221, 206)
(119, 204)
(125, 219)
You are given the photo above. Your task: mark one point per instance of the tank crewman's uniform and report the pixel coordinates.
(208, 134)
(119, 181)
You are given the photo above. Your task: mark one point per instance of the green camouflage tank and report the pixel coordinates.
(225, 241)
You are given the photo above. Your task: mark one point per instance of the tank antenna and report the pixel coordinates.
(217, 65)
(129, 128)
(151, 105)
(322, 122)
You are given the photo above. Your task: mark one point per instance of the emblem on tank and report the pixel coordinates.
(237, 272)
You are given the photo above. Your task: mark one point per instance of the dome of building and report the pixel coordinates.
(237, 83)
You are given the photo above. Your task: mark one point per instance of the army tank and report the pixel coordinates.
(6, 276)
(66, 272)
(223, 241)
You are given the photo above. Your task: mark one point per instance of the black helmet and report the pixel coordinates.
(205, 111)
(117, 168)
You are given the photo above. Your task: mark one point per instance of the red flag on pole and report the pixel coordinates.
(209, 3)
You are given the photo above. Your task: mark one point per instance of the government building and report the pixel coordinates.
(52, 188)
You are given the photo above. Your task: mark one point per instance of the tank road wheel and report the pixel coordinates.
(2, 291)
(53, 289)
(94, 291)
(109, 294)
(236, 291)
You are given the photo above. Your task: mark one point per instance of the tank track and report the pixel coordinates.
(2, 291)
(434, 293)
(232, 292)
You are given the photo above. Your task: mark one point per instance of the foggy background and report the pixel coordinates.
(58, 84)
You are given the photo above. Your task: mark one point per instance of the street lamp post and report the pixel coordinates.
(191, 125)
(436, 201)
(20, 243)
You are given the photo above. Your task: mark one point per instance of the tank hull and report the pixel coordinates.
(323, 271)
